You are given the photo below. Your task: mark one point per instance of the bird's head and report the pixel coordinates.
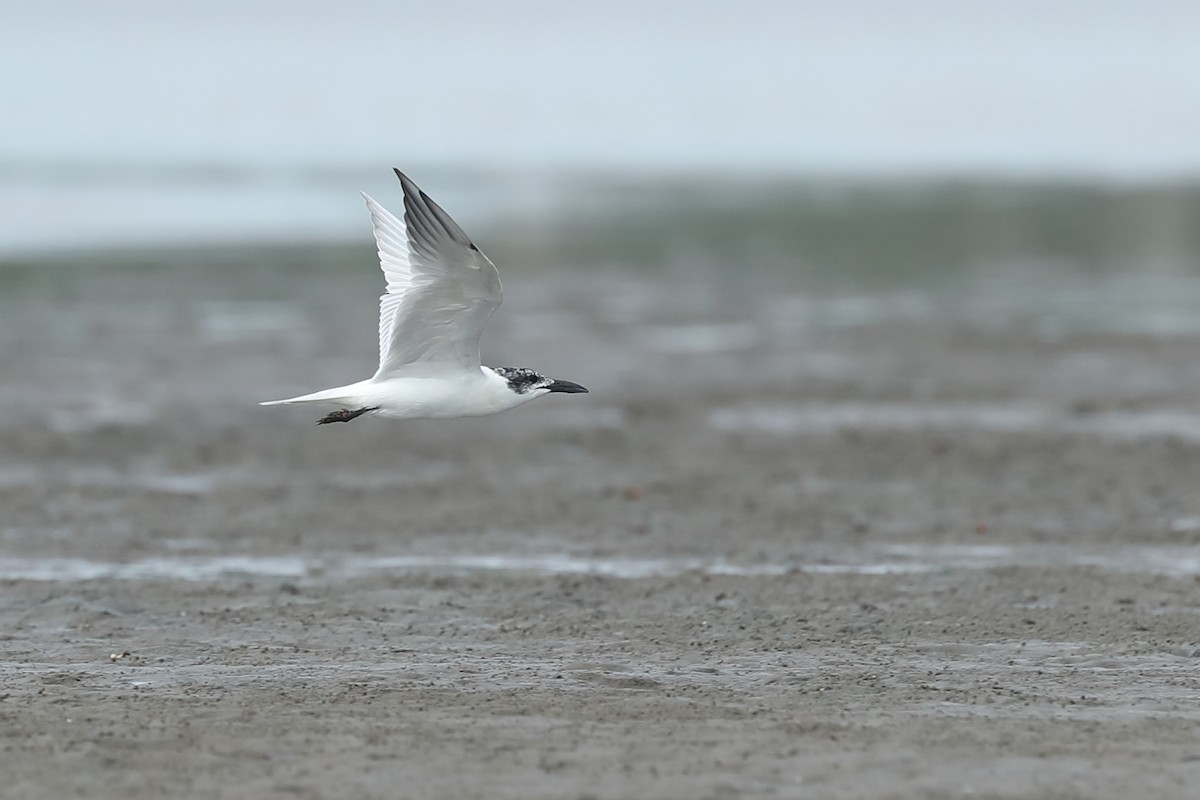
(525, 381)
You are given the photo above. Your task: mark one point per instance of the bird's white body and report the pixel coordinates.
(459, 395)
(441, 291)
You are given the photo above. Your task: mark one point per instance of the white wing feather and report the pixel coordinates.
(441, 290)
(392, 240)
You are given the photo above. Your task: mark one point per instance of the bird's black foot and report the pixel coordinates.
(344, 415)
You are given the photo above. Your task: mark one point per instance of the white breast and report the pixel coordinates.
(472, 394)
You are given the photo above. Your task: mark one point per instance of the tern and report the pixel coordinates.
(441, 291)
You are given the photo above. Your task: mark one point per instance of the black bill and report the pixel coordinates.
(567, 387)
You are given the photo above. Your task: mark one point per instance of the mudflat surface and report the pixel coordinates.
(790, 546)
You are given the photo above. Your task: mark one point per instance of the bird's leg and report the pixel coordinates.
(344, 415)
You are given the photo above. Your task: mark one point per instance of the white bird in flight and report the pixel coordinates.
(441, 291)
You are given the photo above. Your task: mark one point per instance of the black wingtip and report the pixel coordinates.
(420, 209)
(410, 188)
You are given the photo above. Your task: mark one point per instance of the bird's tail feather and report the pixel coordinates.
(338, 396)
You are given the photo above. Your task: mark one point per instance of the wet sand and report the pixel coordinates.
(792, 545)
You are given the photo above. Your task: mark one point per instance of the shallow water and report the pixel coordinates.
(1018, 419)
(334, 567)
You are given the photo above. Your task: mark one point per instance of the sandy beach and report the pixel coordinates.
(793, 544)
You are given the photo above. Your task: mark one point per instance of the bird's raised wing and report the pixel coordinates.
(441, 290)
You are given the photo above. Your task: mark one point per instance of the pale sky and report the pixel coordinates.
(1073, 86)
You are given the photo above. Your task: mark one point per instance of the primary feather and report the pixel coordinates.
(441, 290)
